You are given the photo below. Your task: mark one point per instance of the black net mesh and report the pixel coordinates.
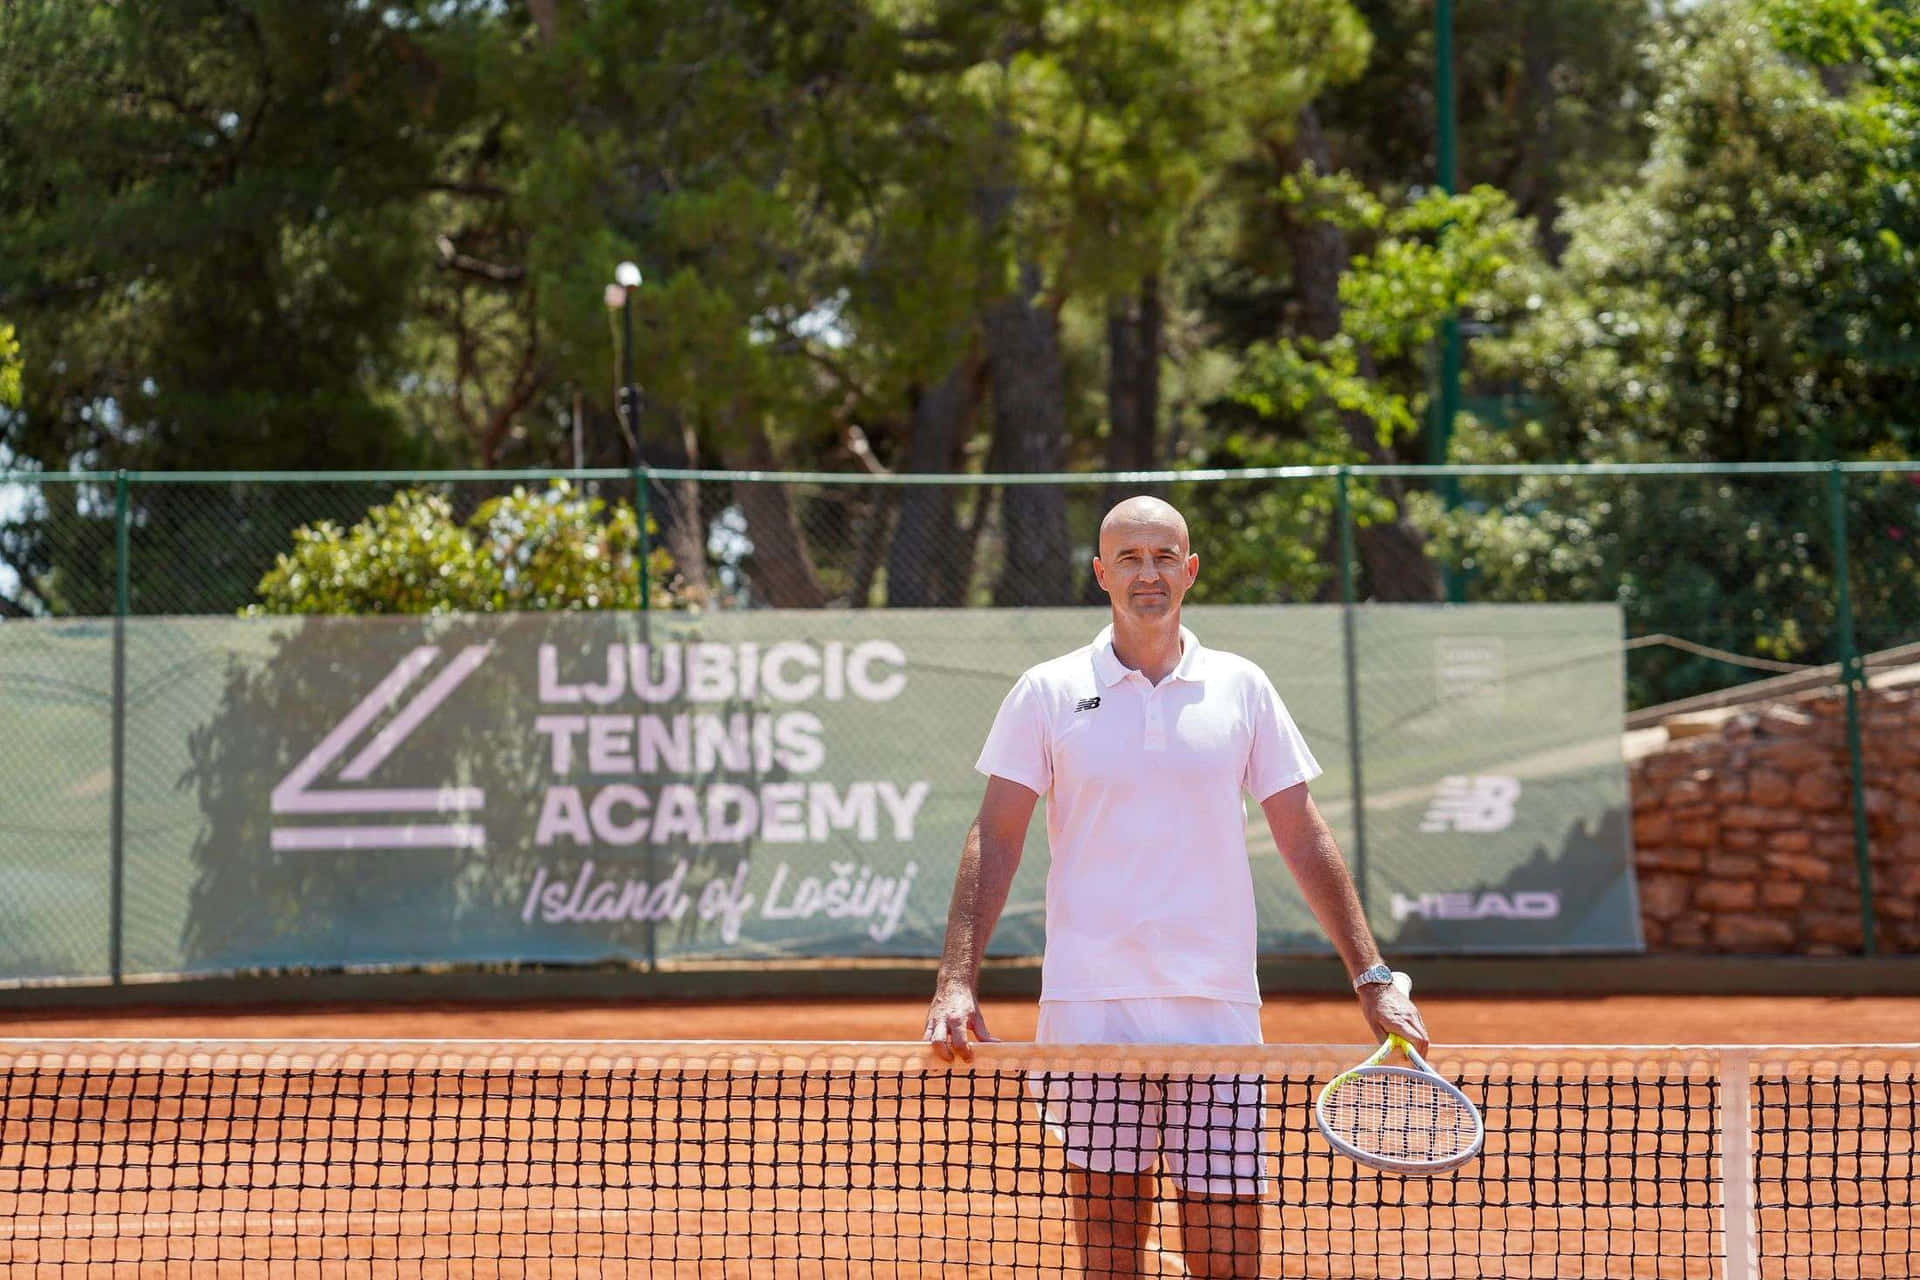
(468, 1160)
(1835, 1172)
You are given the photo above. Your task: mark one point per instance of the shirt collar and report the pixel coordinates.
(1111, 671)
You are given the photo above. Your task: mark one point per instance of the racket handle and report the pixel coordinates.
(1404, 985)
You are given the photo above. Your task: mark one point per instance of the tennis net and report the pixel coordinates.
(466, 1159)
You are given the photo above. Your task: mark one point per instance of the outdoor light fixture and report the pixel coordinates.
(619, 296)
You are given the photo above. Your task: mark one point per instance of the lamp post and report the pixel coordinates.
(626, 279)
(619, 294)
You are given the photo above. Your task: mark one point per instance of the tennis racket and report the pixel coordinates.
(1399, 1119)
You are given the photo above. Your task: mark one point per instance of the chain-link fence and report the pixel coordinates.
(1734, 582)
(1723, 573)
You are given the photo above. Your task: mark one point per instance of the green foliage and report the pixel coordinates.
(1878, 38)
(1262, 541)
(1364, 391)
(823, 196)
(208, 220)
(1551, 98)
(1433, 257)
(1748, 298)
(9, 367)
(525, 551)
(321, 233)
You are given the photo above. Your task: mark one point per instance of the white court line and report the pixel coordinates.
(328, 1223)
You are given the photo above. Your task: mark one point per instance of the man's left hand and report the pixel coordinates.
(1390, 1012)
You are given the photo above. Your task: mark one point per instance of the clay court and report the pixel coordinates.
(501, 1159)
(1288, 1019)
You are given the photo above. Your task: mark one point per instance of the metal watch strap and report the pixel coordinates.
(1374, 975)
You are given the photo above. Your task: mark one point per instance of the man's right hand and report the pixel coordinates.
(955, 1014)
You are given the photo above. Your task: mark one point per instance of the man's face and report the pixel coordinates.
(1144, 566)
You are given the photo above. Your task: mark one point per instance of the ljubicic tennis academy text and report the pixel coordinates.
(694, 750)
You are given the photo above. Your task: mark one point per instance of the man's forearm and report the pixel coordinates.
(980, 889)
(1311, 854)
(1317, 867)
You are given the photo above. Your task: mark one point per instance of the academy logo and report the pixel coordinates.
(1482, 803)
(450, 806)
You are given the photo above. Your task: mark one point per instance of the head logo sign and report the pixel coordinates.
(450, 806)
(1541, 904)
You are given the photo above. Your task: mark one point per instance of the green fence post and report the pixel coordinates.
(645, 544)
(117, 835)
(1446, 404)
(1343, 513)
(1853, 677)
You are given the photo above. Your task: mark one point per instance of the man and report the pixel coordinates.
(1143, 743)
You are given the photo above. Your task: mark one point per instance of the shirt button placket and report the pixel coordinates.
(1156, 736)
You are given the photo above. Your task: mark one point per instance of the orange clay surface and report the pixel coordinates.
(1289, 1019)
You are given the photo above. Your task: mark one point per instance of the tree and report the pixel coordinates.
(555, 550)
(1106, 124)
(1552, 101)
(1748, 298)
(1357, 393)
(212, 235)
(865, 222)
(1552, 97)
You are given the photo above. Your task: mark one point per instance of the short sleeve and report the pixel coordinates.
(1279, 757)
(1016, 746)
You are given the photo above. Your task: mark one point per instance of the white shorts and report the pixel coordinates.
(1207, 1128)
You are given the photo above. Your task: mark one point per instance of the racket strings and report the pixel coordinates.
(1400, 1117)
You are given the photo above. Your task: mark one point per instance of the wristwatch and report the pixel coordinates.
(1376, 975)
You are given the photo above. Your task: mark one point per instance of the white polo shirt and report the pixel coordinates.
(1149, 892)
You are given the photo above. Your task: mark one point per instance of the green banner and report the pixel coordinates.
(1497, 815)
(575, 788)
(56, 807)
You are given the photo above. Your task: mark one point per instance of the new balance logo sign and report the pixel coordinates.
(449, 805)
(1483, 802)
(1085, 704)
(1542, 904)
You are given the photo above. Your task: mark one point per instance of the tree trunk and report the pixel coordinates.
(781, 571)
(1536, 188)
(1030, 433)
(1391, 554)
(925, 566)
(1134, 329)
(1318, 247)
(675, 507)
(546, 17)
(872, 538)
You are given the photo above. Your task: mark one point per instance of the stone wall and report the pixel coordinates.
(1743, 831)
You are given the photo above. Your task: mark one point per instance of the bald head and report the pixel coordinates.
(1145, 563)
(1144, 516)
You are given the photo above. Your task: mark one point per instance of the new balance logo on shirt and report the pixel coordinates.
(1086, 704)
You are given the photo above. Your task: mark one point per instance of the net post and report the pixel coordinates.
(117, 835)
(1343, 514)
(1738, 1222)
(1853, 679)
